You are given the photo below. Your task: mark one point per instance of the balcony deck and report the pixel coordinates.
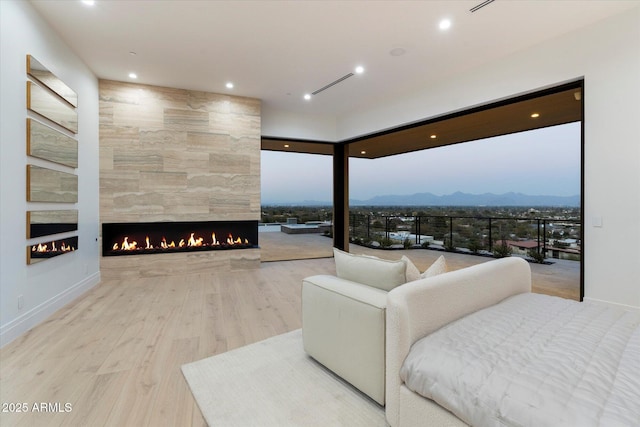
(561, 278)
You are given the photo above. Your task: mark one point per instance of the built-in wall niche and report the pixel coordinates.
(46, 250)
(44, 223)
(47, 143)
(42, 74)
(52, 107)
(48, 185)
(51, 131)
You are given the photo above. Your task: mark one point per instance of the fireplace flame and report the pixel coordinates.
(191, 242)
(195, 242)
(39, 248)
(164, 245)
(44, 248)
(126, 246)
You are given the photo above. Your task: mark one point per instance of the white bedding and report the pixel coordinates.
(533, 360)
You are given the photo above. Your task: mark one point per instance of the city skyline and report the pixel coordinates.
(540, 162)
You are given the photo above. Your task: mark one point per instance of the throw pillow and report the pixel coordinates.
(439, 266)
(376, 272)
(412, 272)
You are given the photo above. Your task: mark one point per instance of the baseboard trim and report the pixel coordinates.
(612, 304)
(40, 313)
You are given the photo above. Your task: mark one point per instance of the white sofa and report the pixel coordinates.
(419, 308)
(344, 316)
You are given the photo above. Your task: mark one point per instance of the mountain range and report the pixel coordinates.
(456, 199)
(465, 199)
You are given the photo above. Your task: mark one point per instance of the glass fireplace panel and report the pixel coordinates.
(170, 237)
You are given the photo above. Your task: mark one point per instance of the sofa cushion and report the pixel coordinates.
(412, 271)
(376, 272)
(439, 266)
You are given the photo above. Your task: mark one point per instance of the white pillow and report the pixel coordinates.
(376, 272)
(439, 266)
(412, 271)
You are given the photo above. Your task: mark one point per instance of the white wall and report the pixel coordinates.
(286, 124)
(607, 55)
(48, 285)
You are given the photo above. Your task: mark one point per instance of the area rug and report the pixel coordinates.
(275, 383)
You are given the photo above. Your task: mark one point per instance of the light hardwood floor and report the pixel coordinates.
(115, 354)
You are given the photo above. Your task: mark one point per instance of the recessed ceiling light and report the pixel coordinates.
(229, 85)
(363, 152)
(89, 2)
(307, 96)
(433, 137)
(359, 69)
(535, 115)
(445, 24)
(286, 145)
(133, 76)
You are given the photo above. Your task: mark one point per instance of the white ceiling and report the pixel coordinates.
(279, 50)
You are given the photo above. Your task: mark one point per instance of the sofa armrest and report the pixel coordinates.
(419, 308)
(356, 291)
(343, 327)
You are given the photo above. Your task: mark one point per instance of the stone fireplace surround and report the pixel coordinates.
(177, 155)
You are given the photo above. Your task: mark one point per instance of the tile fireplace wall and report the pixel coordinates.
(177, 155)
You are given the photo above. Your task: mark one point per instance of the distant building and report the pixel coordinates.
(566, 248)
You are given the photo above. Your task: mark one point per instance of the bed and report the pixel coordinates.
(476, 347)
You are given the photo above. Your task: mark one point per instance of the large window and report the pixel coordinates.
(511, 195)
(538, 162)
(295, 178)
(524, 153)
(296, 206)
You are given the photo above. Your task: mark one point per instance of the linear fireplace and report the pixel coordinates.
(142, 238)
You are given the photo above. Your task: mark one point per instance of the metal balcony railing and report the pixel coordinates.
(546, 236)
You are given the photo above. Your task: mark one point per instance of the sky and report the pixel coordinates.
(540, 162)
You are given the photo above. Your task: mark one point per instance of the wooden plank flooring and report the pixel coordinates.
(115, 353)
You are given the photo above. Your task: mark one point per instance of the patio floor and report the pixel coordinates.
(561, 278)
